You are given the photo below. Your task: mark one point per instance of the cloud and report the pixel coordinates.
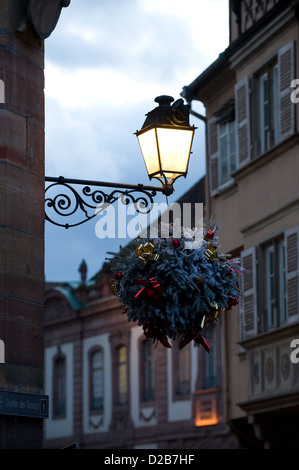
(121, 34)
(105, 63)
(142, 40)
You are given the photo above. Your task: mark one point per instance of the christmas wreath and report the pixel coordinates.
(176, 286)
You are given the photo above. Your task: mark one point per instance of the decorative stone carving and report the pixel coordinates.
(43, 15)
(57, 308)
(269, 369)
(255, 373)
(120, 421)
(285, 366)
(96, 422)
(147, 415)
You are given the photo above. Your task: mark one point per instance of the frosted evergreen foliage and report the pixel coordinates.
(192, 285)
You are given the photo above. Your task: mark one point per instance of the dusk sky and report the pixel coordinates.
(106, 61)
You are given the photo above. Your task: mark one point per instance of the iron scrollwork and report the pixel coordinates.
(88, 203)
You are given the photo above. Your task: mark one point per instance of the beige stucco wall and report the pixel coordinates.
(261, 203)
(267, 186)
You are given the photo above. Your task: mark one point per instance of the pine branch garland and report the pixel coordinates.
(172, 290)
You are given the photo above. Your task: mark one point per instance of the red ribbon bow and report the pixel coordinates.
(152, 331)
(197, 337)
(151, 288)
(231, 302)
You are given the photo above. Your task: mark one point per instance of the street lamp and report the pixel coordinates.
(165, 140)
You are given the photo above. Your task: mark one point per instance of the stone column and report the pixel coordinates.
(21, 217)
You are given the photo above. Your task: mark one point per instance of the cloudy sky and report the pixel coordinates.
(105, 63)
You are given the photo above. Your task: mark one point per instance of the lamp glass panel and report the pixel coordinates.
(148, 145)
(175, 147)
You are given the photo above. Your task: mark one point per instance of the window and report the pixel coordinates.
(183, 385)
(227, 151)
(96, 376)
(282, 283)
(210, 379)
(2, 91)
(59, 392)
(2, 352)
(259, 116)
(267, 112)
(275, 285)
(122, 375)
(148, 371)
(270, 287)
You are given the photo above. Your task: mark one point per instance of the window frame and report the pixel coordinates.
(271, 317)
(228, 137)
(245, 110)
(282, 283)
(252, 311)
(265, 124)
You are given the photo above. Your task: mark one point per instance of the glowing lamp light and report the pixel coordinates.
(205, 406)
(165, 141)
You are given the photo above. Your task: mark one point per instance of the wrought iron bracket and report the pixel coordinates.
(80, 207)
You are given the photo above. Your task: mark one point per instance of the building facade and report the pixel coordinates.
(252, 162)
(21, 228)
(110, 387)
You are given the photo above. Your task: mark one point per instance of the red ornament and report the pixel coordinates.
(209, 235)
(176, 243)
(151, 288)
(152, 331)
(232, 302)
(118, 276)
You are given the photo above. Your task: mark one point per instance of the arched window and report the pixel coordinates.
(59, 387)
(122, 386)
(148, 370)
(96, 380)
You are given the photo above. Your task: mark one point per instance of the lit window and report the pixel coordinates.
(205, 407)
(122, 375)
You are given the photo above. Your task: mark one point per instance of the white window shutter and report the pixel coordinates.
(292, 273)
(286, 72)
(213, 155)
(248, 294)
(242, 101)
